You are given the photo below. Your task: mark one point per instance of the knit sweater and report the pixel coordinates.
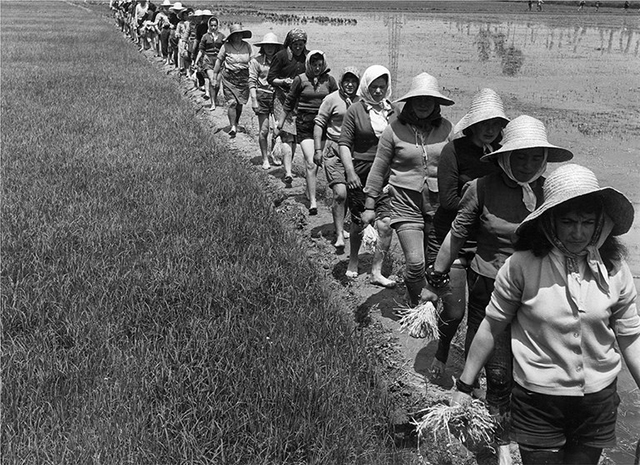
(409, 156)
(331, 114)
(307, 97)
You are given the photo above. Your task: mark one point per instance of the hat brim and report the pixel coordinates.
(615, 205)
(245, 34)
(441, 99)
(260, 44)
(555, 154)
(469, 120)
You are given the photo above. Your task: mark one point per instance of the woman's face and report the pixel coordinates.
(485, 132)
(297, 47)
(350, 84)
(213, 26)
(525, 163)
(316, 64)
(378, 88)
(269, 49)
(575, 230)
(235, 38)
(422, 106)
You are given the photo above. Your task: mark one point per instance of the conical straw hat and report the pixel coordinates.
(486, 105)
(526, 132)
(425, 85)
(572, 181)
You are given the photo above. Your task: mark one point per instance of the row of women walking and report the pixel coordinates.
(549, 292)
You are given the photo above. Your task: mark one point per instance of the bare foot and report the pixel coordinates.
(346, 234)
(437, 369)
(382, 281)
(265, 165)
(351, 274)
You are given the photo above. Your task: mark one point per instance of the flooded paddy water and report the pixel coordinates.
(579, 72)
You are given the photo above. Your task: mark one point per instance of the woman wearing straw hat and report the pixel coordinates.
(287, 64)
(305, 96)
(208, 50)
(408, 154)
(326, 133)
(235, 54)
(183, 29)
(493, 206)
(476, 134)
(569, 297)
(262, 92)
(363, 124)
(164, 26)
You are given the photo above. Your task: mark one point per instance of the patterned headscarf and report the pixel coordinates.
(313, 78)
(294, 35)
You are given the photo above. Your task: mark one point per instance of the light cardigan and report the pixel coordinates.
(407, 158)
(563, 344)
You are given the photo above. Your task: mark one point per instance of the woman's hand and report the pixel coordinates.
(368, 217)
(460, 398)
(353, 180)
(317, 157)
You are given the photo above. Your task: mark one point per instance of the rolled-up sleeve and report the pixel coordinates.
(625, 312)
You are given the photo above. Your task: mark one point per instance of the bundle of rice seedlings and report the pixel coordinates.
(370, 238)
(421, 321)
(470, 423)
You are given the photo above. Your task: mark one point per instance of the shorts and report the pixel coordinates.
(305, 122)
(265, 103)
(333, 167)
(411, 209)
(208, 62)
(544, 421)
(357, 197)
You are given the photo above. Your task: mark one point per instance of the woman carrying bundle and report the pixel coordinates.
(570, 299)
(287, 64)
(208, 50)
(262, 93)
(363, 124)
(492, 207)
(326, 133)
(408, 154)
(479, 132)
(305, 96)
(235, 54)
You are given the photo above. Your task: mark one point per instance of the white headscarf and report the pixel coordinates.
(378, 111)
(528, 196)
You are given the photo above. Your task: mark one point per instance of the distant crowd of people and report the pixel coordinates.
(549, 293)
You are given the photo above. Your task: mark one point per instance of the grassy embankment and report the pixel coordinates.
(154, 307)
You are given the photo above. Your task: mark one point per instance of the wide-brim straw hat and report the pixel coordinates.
(202, 13)
(177, 7)
(527, 132)
(485, 105)
(425, 85)
(166, 3)
(269, 39)
(237, 29)
(572, 181)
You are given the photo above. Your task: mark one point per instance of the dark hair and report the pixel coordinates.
(468, 131)
(532, 237)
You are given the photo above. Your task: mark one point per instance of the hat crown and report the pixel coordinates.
(569, 181)
(485, 105)
(270, 38)
(525, 128)
(424, 83)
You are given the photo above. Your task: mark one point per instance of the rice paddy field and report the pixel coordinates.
(150, 316)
